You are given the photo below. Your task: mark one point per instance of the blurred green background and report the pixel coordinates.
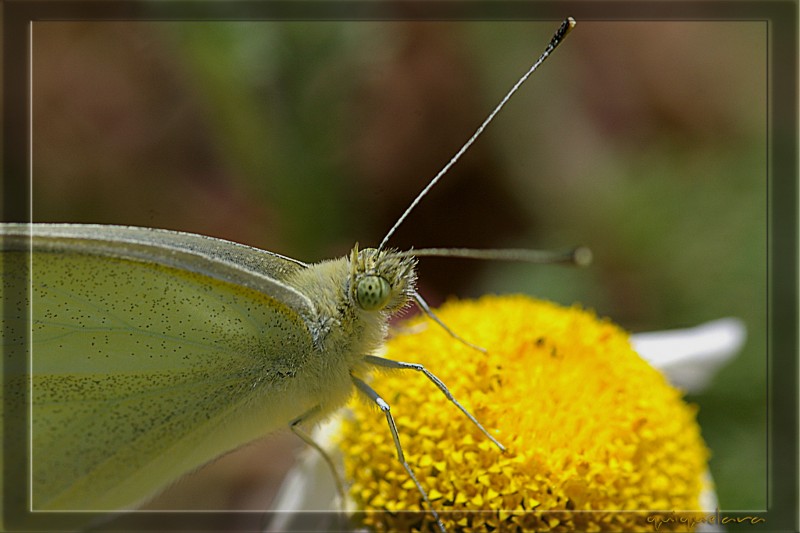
(644, 140)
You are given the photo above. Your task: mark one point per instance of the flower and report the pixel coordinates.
(596, 438)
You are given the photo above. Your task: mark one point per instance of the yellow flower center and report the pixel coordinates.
(588, 424)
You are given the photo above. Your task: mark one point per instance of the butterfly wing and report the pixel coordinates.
(151, 353)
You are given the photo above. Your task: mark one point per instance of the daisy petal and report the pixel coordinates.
(307, 498)
(691, 357)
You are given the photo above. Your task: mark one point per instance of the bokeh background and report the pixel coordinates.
(646, 141)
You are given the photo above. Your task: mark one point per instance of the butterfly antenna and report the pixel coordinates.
(559, 35)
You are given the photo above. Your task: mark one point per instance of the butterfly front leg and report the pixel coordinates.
(399, 365)
(384, 406)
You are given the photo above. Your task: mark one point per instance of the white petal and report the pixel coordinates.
(709, 504)
(307, 499)
(690, 357)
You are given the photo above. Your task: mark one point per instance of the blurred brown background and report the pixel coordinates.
(644, 140)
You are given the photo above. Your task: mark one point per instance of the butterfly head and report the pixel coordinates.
(381, 279)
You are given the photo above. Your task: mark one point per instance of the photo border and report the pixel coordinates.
(782, 171)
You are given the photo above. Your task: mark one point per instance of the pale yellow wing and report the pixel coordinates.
(152, 352)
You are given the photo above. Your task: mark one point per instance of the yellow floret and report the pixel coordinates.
(596, 438)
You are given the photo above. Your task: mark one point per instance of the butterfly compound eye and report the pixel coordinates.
(373, 292)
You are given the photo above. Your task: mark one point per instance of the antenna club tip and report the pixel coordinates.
(567, 26)
(582, 256)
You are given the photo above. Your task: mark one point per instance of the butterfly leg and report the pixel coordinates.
(381, 403)
(398, 365)
(425, 308)
(294, 425)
